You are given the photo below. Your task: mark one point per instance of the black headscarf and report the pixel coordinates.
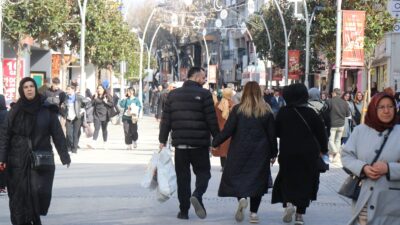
(3, 102)
(295, 95)
(29, 106)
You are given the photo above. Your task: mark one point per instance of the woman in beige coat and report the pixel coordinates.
(379, 199)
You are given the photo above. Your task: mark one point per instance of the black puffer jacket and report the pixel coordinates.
(189, 112)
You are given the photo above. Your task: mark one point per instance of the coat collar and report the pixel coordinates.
(190, 83)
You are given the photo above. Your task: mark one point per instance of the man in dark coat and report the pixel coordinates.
(189, 112)
(161, 101)
(276, 102)
(3, 116)
(302, 140)
(54, 94)
(33, 120)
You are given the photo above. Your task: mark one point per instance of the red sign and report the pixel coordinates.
(212, 74)
(278, 74)
(294, 64)
(9, 78)
(353, 38)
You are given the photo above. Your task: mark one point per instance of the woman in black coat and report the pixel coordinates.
(102, 103)
(3, 116)
(31, 118)
(298, 177)
(253, 147)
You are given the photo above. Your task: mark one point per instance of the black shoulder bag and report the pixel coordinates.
(321, 165)
(352, 185)
(41, 160)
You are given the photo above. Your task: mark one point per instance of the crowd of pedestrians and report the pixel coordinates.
(249, 129)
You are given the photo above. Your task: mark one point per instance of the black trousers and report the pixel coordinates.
(130, 131)
(254, 203)
(73, 127)
(3, 181)
(97, 124)
(299, 210)
(200, 160)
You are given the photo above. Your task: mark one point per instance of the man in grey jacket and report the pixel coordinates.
(339, 112)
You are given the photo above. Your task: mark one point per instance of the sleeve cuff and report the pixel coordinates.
(388, 172)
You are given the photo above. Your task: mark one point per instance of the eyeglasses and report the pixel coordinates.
(383, 107)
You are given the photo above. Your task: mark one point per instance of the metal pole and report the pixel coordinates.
(151, 47)
(286, 41)
(270, 47)
(336, 78)
(82, 9)
(141, 58)
(208, 58)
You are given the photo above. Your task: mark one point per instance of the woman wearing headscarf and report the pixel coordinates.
(222, 109)
(102, 103)
(302, 141)
(33, 120)
(3, 116)
(378, 202)
(253, 147)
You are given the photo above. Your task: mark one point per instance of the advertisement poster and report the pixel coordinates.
(277, 74)
(9, 78)
(353, 38)
(294, 64)
(212, 74)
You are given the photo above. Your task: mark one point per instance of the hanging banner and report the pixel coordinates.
(353, 38)
(294, 64)
(278, 74)
(212, 74)
(9, 78)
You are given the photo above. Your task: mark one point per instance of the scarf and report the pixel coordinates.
(372, 120)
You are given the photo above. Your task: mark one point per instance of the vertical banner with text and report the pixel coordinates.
(9, 78)
(212, 74)
(294, 64)
(353, 38)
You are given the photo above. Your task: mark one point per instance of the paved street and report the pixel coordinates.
(102, 187)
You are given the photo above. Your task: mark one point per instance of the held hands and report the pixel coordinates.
(3, 166)
(377, 170)
(273, 160)
(162, 146)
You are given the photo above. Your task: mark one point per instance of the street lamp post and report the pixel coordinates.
(336, 78)
(141, 58)
(286, 41)
(270, 46)
(82, 10)
(308, 28)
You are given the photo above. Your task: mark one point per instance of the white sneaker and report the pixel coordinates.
(288, 214)
(239, 216)
(254, 218)
(134, 144)
(128, 147)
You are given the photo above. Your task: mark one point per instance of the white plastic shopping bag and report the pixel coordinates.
(166, 176)
(150, 177)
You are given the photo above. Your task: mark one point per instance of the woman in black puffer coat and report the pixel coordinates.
(31, 118)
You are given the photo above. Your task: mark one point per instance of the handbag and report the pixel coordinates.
(352, 185)
(40, 160)
(321, 165)
(113, 111)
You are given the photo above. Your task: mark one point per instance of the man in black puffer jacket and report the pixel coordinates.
(189, 112)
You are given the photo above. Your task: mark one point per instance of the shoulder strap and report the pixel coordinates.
(378, 152)
(308, 127)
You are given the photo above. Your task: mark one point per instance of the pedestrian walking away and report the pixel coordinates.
(31, 123)
(3, 117)
(302, 142)
(222, 109)
(189, 113)
(253, 147)
(102, 103)
(378, 201)
(132, 107)
(339, 112)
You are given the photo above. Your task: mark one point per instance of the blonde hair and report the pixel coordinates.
(252, 102)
